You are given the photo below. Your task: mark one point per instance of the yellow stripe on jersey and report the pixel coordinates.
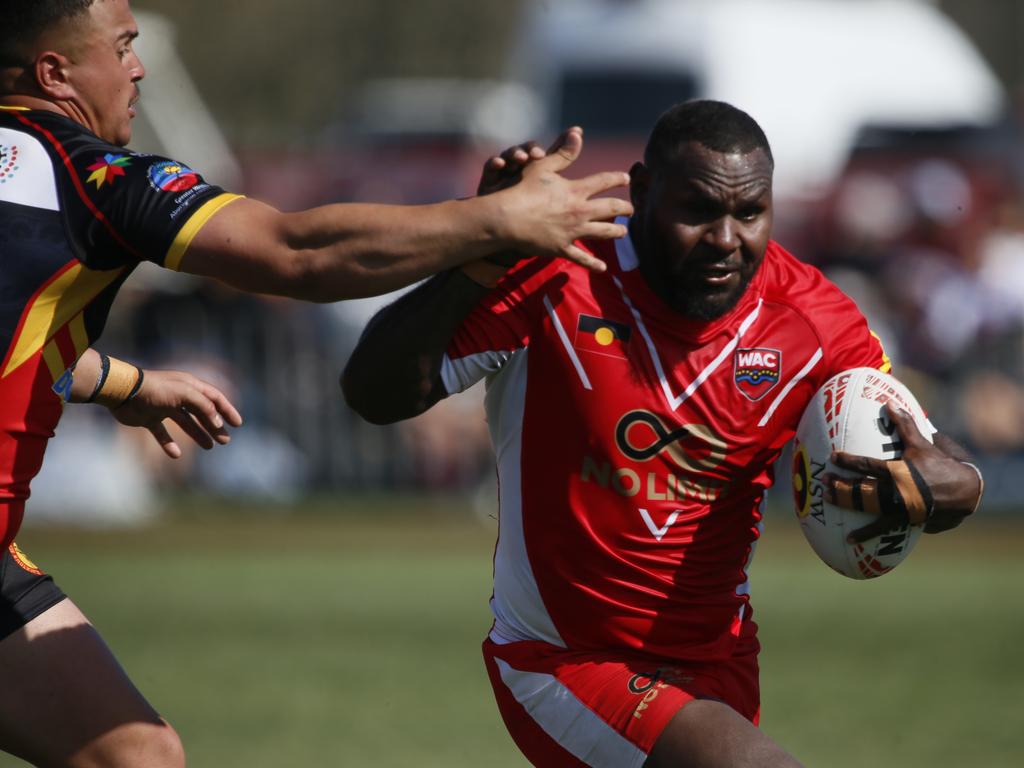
(61, 300)
(79, 337)
(54, 360)
(15, 109)
(196, 222)
(886, 366)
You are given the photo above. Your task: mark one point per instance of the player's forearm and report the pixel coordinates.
(394, 372)
(359, 250)
(344, 251)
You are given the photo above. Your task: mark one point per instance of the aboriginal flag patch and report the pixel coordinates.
(757, 371)
(603, 337)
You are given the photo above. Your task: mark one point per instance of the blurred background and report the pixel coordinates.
(896, 126)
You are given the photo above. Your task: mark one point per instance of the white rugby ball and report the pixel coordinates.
(848, 414)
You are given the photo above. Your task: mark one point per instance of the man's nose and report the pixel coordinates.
(723, 235)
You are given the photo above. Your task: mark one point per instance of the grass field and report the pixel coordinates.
(353, 639)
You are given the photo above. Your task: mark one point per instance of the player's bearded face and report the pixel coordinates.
(702, 226)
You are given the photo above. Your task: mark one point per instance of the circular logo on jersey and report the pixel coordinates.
(8, 163)
(169, 176)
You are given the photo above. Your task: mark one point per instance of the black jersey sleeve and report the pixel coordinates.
(138, 207)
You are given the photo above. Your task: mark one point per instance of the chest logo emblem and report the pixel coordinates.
(756, 371)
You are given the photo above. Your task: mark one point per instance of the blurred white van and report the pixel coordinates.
(812, 72)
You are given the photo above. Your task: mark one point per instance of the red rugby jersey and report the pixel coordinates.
(77, 215)
(634, 445)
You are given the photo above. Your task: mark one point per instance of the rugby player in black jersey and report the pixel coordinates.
(77, 213)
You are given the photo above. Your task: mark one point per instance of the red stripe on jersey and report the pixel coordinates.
(66, 346)
(79, 188)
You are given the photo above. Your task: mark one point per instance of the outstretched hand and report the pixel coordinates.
(199, 408)
(549, 212)
(926, 485)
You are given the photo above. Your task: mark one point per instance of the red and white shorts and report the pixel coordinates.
(566, 709)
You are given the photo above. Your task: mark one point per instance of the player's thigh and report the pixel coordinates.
(710, 734)
(605, 710)
(65, 699)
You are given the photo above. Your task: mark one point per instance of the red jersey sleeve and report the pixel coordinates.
(847, 340)
(500, 325)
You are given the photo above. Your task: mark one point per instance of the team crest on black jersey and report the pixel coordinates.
(169, 176)
(757, 371)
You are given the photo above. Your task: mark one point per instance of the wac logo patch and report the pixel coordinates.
(756, 371)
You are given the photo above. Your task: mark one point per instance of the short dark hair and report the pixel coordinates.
(23, 21)
(714, 124)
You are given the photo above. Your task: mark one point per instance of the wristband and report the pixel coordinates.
(121, 383)
(981, 484)
(101, 379)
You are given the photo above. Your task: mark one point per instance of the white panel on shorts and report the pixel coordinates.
(28, 177)
(519, 611)
(569, 721)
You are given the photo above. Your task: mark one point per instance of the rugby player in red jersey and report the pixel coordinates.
(77, 213)
(635, 416)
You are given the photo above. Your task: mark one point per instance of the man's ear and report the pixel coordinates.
(639, 184)
(51, 71)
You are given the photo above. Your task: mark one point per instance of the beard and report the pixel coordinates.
(698, 303)
(683, 291)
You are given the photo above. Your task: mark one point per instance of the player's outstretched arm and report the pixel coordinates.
(145, 398)
(354, 250)
(934, 484)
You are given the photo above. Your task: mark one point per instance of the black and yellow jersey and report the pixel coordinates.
(76, 216)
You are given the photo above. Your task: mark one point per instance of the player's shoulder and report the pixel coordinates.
(802, 287)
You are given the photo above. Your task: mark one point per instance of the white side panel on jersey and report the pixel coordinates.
(460, 373)
(569, 721)
(27, 173)
(519, 612)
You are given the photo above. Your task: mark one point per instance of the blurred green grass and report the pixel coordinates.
(349, 634)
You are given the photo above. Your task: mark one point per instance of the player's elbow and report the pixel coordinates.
(363, 397)
(383, 397)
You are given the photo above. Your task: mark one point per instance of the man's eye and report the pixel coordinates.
(748, 214)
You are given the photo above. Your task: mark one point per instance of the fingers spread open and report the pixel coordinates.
(862, 464)
(575, 253)
(603, 230)
(906, 427)
(597, 183)
(871, 530)
(565, 149)
(609, 208)
(222, 406)
(171, 448)
(184, 419)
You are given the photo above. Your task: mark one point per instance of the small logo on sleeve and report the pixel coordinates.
(23, 562)
(107, 168)
(604, 337)
(757, 371)
(169, 176)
